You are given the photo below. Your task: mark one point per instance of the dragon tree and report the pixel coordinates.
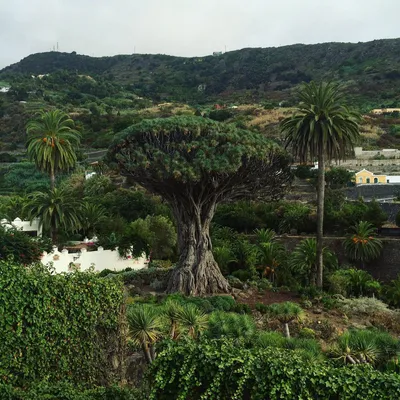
(195, 163)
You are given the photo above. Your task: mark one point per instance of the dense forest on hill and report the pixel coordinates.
(104, 95)
(371, 71)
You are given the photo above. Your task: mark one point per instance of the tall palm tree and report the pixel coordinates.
(57, 209)
(52, 142)
(322, 128)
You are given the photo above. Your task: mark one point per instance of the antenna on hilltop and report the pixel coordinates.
(57, 46)
(225, 48)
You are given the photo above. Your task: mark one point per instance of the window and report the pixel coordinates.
(387, 181)
(368, 180)
(375, 180)
(359, 180)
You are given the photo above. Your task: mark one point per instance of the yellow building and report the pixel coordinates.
(366, 177)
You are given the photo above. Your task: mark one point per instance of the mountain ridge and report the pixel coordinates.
(367, 69)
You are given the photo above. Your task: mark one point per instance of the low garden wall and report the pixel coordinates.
(64, 261)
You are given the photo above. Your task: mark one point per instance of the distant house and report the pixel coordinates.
(365, 177)
(379, 111)
(5, 89)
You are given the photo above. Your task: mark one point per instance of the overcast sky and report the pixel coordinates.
(186, 27)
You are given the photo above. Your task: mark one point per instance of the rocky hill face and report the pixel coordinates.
(371, 71)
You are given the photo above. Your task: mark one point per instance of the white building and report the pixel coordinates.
(33, 227)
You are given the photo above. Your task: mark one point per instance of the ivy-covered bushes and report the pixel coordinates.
(67, 391)
(59, 327)
(223, 369)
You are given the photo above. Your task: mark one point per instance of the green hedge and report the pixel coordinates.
(58, 327)
(225, 370)
(67, 391)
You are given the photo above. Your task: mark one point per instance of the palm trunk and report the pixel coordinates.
(320, 216)
(153, 352)
(287, 331)
(52, 180)
(146, 352)
(197, 272)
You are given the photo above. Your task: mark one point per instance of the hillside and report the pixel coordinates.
(104, 95)
(371, 71)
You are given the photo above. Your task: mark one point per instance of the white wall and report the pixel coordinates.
(25, 226)
(83, 260)
(393, 178)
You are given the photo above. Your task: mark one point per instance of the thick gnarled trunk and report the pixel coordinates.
(197, 272)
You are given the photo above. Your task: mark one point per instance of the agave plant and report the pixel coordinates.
(145, 328)
(286, 313)
(362, 244)
(265, 235)
(232, 325)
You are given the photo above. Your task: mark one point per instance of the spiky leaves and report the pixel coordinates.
(145, 328)
(52, 142)
(322, 128)
(195, 163)
(362, 244)
(286, 313)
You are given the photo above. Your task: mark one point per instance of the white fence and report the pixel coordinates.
(101, 259)
(25, 226)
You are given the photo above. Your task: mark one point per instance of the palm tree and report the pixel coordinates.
(362, 244)
(52, 141)
(324, 129)
(145, 328)
(286, 313)
(92, 216)
(57, 209)
(303, 260)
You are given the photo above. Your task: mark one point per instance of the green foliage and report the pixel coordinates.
(57, 209)
(353, 282)
(231, 325)
(52, 142)
(365, 346)
(57, 327)
(362, 306)
(338, 177)
(68, 391)
(392, 292)
(20, 247)
(321, 121)
(303, 261)
(226, 370)
(295, 216)
(285, 312)
(363, 245)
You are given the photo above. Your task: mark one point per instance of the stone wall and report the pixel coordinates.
(385, 268)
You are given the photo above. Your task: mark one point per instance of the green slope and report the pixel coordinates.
(371, 70)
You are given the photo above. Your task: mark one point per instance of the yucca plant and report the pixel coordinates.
(362, 244)
(270, 339)
(193, 319)
(172, 312)
(285, 313)
(365, 347)
(145, 328)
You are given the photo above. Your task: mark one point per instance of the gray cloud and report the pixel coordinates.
(186, 27)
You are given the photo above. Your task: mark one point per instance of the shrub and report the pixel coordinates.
(353, 282)
(224, 369)
(286, 313)
(145, 276)
(392, 292)
(58, 327)
(362, 306)
(242, 275)
(307, 333)
(235, 282)
(21, 247)
(231, 325)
